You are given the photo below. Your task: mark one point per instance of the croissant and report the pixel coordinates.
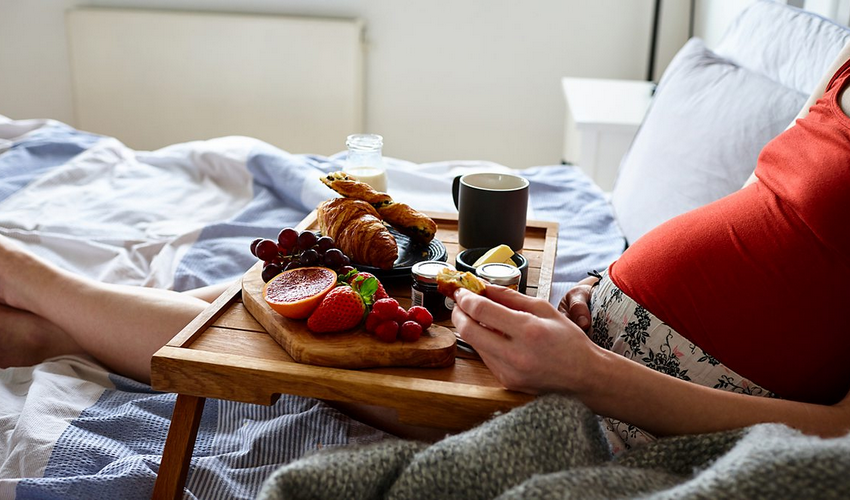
(358, 231)
(350, 187)
(413, 223)
(418, 226)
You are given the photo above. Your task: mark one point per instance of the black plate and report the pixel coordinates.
(409, 253)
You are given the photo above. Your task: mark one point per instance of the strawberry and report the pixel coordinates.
(386, 308)
(421, 315)
(342, 308)
(360, 277)
(387, 331)
(410, 331)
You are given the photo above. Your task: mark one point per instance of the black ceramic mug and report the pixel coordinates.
(491, 209)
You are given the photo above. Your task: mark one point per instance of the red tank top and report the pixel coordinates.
(759, 279)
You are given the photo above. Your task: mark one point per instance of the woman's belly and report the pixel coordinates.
(744, 279)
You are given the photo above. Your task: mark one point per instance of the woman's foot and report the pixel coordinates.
(28, 339)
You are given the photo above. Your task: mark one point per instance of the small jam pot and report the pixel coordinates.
(423, 291)
(500, 274)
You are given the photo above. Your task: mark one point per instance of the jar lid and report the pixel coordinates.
(364, 142)
(497, 271)
(427, 270)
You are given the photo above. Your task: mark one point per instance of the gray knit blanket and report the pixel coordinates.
(554, 447)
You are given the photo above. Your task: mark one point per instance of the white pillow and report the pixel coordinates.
(700, 139)
(788, 45)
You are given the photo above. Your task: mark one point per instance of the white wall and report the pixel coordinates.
(445, 79)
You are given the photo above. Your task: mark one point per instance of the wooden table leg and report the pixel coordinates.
(178, 447)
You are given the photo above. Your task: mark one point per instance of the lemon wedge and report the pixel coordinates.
(501, 254)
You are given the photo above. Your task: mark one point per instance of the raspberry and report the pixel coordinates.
(421, 315)
(400, 315)
(410, 331)
(386, 308)
(387, 331)
(372, 322)
(381, 293)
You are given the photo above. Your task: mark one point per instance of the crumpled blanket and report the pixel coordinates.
(554, 447)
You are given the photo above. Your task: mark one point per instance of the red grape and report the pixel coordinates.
(267, 250)
(270, 271)
(333, 258)
(293, 249)
(307, 239)
(324, 244)
(287, 238)
(254, 246)
(309, 257)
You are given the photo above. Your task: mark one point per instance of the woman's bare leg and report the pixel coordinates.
(121, 326)
(29, 339)
(49, 312)
(208, 293)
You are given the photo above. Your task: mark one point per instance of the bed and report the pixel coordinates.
(183, 216)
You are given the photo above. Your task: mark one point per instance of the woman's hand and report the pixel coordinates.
(527, 344)
(576, 303)
(531, 347)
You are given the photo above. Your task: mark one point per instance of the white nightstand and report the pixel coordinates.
(602, 119)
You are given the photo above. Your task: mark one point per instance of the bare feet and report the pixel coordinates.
(28, 339)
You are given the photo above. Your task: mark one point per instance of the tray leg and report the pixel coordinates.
(178, 447)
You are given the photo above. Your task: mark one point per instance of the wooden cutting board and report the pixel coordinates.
(352, 349)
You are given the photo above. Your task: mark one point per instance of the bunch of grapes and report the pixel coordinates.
(293, 249)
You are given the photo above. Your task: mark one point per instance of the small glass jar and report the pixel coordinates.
(500, 274)
(365, 161)
(423, 291)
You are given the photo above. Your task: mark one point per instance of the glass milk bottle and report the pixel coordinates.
(365, 162)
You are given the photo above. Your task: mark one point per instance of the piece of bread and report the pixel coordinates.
(416, 225)
(448, 281)
(358, 231)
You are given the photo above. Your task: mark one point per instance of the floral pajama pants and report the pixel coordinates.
(622, 326)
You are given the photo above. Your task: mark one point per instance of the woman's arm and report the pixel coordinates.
(537, 349)
(816, 94)
(664, 405)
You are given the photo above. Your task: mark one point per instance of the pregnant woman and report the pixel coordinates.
(726, 316)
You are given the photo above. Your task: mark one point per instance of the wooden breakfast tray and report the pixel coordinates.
(225, 353)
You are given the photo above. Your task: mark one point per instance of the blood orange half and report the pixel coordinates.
(296, 293)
